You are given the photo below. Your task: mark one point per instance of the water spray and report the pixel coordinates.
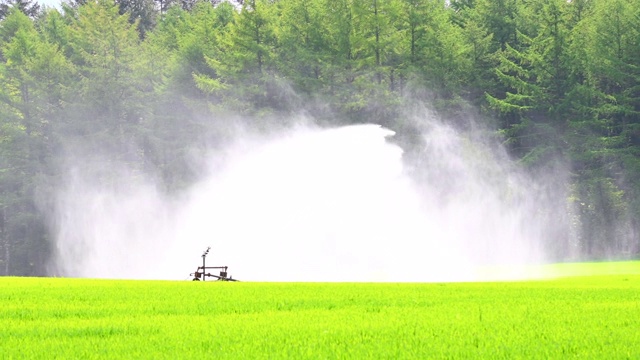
(314, 205)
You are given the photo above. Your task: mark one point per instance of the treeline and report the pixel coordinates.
(149, 81)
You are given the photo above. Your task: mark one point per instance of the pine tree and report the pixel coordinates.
(246, 62)
(605, 126)
(31, 75)
(141, 12)
(499, 16)
(104, 46)
(28, 7)
(438, 50)
(376, 36)
(303, 43)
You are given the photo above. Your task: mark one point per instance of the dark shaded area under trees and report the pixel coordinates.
(147, 78)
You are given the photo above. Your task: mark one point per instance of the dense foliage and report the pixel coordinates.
(582, 317)
(149, 80)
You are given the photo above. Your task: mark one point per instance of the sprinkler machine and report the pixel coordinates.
(201, 273)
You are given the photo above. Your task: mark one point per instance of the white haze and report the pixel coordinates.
(311, 204)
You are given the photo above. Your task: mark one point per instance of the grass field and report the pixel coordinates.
(596, 316)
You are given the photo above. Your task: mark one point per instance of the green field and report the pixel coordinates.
(596, 316)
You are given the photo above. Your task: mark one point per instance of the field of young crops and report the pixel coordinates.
(571, 317)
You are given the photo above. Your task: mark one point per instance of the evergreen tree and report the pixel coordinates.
(245, 65)
(376, 36)
(499, 16)
(440, 53)
(537, 78)
(28, 7)
(481, 74)
(142, 79)
(141, 12)
(31, 73)
(605, 125)
(107, 100)
(303, 44)
(338, 16)
(196, 39)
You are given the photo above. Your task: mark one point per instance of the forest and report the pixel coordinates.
(150, 80)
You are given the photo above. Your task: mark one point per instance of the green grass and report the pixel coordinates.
(589, 317)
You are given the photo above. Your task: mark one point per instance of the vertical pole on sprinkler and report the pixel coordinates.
(203, 265)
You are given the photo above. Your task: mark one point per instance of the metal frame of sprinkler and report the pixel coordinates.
(201, 273)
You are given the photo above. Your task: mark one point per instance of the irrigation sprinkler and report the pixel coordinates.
(201, 273)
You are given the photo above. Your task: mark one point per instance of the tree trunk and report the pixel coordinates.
(4, 241)
(7, 258)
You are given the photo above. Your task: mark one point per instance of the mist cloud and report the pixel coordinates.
(312, 204)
